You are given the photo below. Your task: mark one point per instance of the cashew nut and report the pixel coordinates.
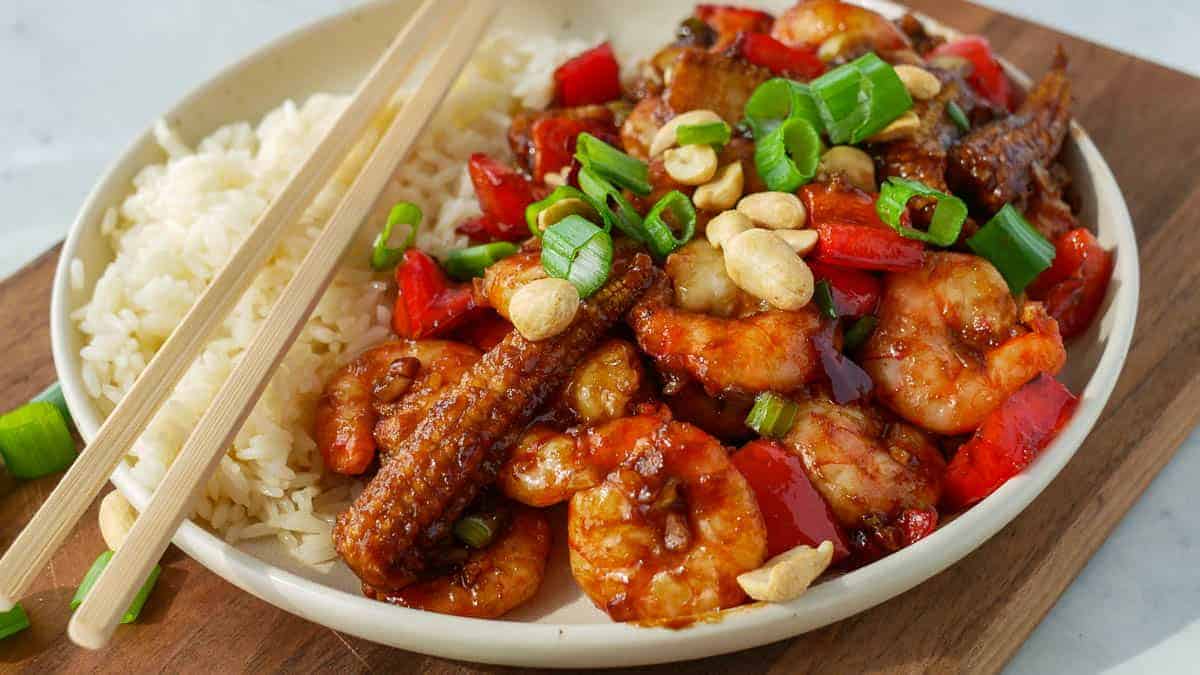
(854, 164)
(920, 83)
(543, 308)
(691, 164)
(726, 226)
(116, 519)
(801, 241)
(774, 210)
(665, 138)
(723, 191)
(787, 575)
(571, 206)
(764, 266)
(904, 126)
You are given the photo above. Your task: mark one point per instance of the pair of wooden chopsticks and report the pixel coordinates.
(450, 29)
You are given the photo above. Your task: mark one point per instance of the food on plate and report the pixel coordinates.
(769, 308)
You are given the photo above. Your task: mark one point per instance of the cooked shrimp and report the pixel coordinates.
(503, 279)
(697, 272)
(396, 380)
(811, 22)
(951, 345)
(766, 351)
(869, 471)
(606, 384)
(491, 581)
(546, 467)
(670, 528)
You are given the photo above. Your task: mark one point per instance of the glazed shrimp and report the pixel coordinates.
(490, 582)
(813, 22)
(766, 351)
(668, 530)
(870, 472)
(951, 344)
(395, 380)
(606, 384)
(503, 279)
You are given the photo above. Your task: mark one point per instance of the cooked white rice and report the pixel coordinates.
(184, 219)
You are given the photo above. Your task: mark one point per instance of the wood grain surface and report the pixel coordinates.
(971, 617)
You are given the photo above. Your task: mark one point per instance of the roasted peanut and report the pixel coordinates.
(787, 575)
(921, 84)
(774, 210)
(904, 126)
(543, 308)
(571, 206)
(665, 139)
(691, 164)
(801, 241)
(723, 191)
(726, 226)
(854, 164)
(764, 266)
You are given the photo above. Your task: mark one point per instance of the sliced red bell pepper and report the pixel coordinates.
(592, 77)
(1008, 440)
(855, 293)
(427, 304)
(503, 194)
(839, 203)
(987, 77)
(794, 512)
(1074, 286)
(794, 62)
(728, 21)
(867, 248)
(554, 138)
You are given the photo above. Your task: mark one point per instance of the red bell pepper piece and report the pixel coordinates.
(794, 512)
(855, 293)
(850, 382)
(1074, 286)
(427, 303)
(795, 62)
(554, 140)
(839, 203)
(728, 21)
(503, 194)
(987, 77)
(591, 77)
(1010, 437)
(867, 248)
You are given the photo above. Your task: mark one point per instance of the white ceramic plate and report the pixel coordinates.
(561, 628)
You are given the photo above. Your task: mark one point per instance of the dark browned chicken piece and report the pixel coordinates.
(637, 133)
(1045, 209)
(710, 81)
(410, 505)
(922, 41)
(994, 164)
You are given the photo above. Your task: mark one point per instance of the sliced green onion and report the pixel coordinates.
(788, 156)
(404, 213)
(612, 165)
(576, 250)
(35, 440)
(54, 394)
(948, 216)
(958, 116)
(478, 530)
(13, 621)
(772, 415)
(823, 295)
(858, 99)
(1017, 250)
(624, 217)
(711, 133)
(465, 263)
(93, 574)
(660, 236)
(776, 100)
(858, 333)
(534, 210)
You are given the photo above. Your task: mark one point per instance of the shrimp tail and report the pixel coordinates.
(451, 455)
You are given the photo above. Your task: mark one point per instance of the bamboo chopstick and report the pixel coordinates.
(98, 616)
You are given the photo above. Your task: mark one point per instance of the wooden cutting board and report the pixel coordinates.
(971, 617)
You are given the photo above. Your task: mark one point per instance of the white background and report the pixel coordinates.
(80, 79)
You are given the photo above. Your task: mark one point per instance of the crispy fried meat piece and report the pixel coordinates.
(1046, 210)
(411, 504)
(711, 81)
(922, 41)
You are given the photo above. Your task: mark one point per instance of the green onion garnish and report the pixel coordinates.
(54, 394)
(1017, 250)
(35, 440)
(624, 217)
(958, 116)
(13, 621)
(772, 415)
(948, 216)
(534, 210)
(858, 99)
(478, 530)
(576, 250)
(612, 165)
(823, 295)
(93, 574)
(404, 213)
(776, 100)
(788, 157)
(660, 236)
(465, 263)
(858, 333)
(710, 133)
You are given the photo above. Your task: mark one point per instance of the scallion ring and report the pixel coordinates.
(534, 210)
(858, 99)
(465, 263)
(948, 216)
(776, 100)
(823, 296)
(660, 236)
(788, 156)
(35, 440)
(709, 133)
(576, 250)
(1018, 251)
(478, 530)
(957, 116)
(13, 621)
(612, 165)
(772, 415)
(858, 333)
(93, 574)
(624, 217)
(404, 213)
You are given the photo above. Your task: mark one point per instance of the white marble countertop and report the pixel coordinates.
(84, 78)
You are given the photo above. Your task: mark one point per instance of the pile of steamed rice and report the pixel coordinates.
(184, 219)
